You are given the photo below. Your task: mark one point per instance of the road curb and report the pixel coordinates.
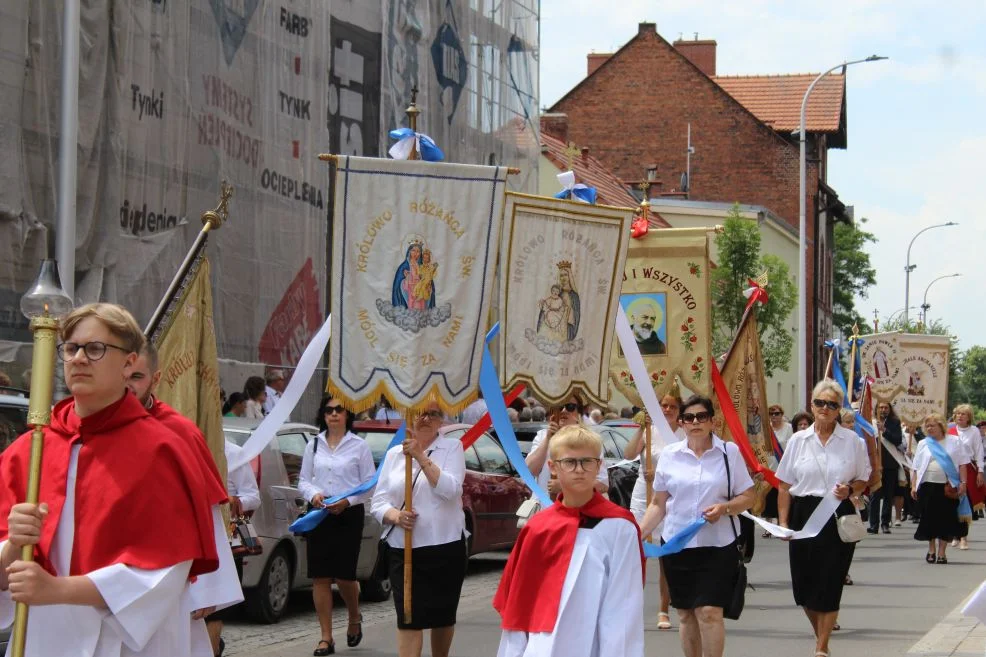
(955, 636)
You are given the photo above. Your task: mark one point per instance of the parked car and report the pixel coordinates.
(525, 432)
(13, 422)
(269, 578)
(491, 492)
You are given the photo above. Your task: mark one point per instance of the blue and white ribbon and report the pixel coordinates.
(952, 472)
(575, 191)
(408, 139)
(676, 543)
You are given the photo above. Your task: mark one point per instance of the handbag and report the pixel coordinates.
(244, 540)
(850, 526)
(526, 511)
(738, 598)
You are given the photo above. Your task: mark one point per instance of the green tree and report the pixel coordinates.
(739, 259)
(852, 275)
(955, 357)
(973, 376)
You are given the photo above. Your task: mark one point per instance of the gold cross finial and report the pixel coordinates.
(855, 330)
(644, 188)
(216, 218)
(570, 152)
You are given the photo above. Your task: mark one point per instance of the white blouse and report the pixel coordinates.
(973, 442)
(241, 482)
(923, 457)
(439, 508)
(638, 498)
(813, 469)
(332, 472)
(695, 483)
(253, 410)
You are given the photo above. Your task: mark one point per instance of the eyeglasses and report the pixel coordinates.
(588, 464)
(775, 414)
(669, 407)
(825, 403)
(570, 407)
(693, 418)
(334, 410)
(93, 350)
(432, 415)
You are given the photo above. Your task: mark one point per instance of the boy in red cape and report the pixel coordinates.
(124, 519)
(573, 585)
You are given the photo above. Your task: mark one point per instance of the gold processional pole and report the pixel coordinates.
(43, 305)
(852, 362)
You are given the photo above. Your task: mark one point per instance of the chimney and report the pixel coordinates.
(701, 53)
(595, 60)
(556, 125)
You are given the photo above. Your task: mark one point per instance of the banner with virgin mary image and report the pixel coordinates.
(414, 247)
(561, 273)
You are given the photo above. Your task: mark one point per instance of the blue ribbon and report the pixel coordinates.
(581, 192)
(677, 542)
(952, 472)
(311, 520)
(428, 149)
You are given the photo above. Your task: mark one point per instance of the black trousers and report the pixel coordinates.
(888, 489)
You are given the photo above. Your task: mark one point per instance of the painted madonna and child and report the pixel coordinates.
(413, 300)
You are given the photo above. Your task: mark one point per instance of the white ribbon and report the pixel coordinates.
(816, 521)
(902, 459)
(265, 432)
(638, 370)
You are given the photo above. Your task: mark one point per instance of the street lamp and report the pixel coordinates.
(894, 314)
(908, 268)
(925, 306)
(803, 237)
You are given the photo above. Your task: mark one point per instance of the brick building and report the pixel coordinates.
(637, 107)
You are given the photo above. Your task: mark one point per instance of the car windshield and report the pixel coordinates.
(378, 441)
(236, 436)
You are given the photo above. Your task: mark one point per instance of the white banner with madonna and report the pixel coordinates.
(561, 275)
(413, 255)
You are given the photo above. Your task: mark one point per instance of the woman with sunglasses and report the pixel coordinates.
(438, 538)
(335, 462)
(567, 415)
(671, 409)
(701, 476)
(821, 460)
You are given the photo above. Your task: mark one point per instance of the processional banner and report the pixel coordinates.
(666, 298)
(413, 254)
(880, 358)
(561, 273)
(742, 373)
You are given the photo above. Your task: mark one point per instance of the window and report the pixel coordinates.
(292, 448)
(610, 450)
(472, 459)
(492, 457)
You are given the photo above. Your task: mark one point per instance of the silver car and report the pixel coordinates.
(269, 578)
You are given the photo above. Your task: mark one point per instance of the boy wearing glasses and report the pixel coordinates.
(574, 582)
(567, 415)
(124, 520)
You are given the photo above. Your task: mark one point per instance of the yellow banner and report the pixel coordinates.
(666, 298)
(742, 372)
(189, 361)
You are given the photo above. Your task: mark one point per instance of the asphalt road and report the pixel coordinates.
(897, 598)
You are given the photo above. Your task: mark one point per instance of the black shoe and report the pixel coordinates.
(320, 651)
(886, 529)
(222, 647)
(871, 530)
(942, 560)
(352, 640)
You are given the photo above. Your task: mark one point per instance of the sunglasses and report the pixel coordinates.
(692, 418)
(571, 407)
(825, 403)
(432, 415)
(775, 413)
(588, 464)
(334, 410)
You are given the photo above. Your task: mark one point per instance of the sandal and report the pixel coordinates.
(942, 560)
(663, 621)
(930, 557)
(848, 580)
(352, 640)
(836, 627)
(319, 651)
(766, 535)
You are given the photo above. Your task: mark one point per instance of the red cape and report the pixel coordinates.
(530, 589)
(139, 497)
(189, 432)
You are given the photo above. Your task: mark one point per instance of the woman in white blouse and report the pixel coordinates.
(255, 390)
(939, 512)
(336, 461)
(691, 483)
(973, 442)
(438, 532)
(671, 408)
(824, 459)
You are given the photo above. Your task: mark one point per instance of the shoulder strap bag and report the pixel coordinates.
(738, 599)
(850, 526)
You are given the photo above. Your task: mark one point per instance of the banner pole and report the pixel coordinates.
(850, 386)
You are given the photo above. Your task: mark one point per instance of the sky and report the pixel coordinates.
(916, 123)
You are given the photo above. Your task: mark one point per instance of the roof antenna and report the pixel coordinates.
(696, 36)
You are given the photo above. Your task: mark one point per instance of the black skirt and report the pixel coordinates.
(701, 576)
(939, 514)
(770, 504)
(333, 546)
(437, 573)
(819, 565)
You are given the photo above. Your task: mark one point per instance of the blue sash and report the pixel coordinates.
(952, 472)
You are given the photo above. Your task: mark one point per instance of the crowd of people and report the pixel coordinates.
(572, 576)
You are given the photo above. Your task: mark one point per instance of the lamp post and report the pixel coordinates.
(894, 314)
(908, 267)
(802, 228)
(44, 305)
(925, 306)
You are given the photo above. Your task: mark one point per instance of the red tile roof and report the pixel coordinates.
(776, 99)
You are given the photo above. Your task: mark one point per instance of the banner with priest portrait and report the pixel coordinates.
(561, 273)
(413, 254)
